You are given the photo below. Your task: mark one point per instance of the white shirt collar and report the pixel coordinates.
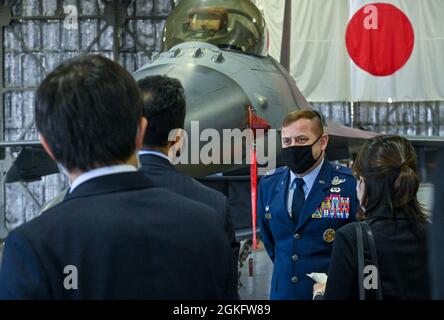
(99, 172)
(156, 153)
(309, 178)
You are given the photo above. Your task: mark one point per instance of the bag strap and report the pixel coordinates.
(374, 256)
(360, 243)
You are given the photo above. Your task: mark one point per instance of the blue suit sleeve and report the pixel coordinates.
(21, 275)
(266, 235)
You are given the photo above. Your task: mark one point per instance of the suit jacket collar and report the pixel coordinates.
(98, 172)
(154, 160)
(281, 192)
(285, 177)
(110, 184)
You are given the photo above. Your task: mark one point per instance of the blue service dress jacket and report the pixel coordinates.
(301, 248)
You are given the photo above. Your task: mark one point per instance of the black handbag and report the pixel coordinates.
(361, 229)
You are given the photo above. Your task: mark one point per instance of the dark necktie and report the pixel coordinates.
(298, 199)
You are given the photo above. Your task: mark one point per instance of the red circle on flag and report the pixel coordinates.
(380, 39)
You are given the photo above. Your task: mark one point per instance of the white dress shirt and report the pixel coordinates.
(99, 172)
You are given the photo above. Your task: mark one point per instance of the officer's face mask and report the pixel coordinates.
(300, 158)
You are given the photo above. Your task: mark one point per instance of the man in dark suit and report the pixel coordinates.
(115, 236)
(165, 107)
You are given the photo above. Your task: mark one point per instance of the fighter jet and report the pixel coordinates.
(218, 50)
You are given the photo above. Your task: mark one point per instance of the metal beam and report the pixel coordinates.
(116, 31)
(3, 229)
(286, 37)
(21, 144)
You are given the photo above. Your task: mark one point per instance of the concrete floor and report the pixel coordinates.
(256, 287)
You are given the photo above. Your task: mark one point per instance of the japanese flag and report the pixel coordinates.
(363, 50)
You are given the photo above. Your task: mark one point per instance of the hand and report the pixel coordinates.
(319, 288)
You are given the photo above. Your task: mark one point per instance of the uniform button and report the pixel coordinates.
(297, 236)
(294, 279)
(295, 258)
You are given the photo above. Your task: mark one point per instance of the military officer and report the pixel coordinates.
(301, 206)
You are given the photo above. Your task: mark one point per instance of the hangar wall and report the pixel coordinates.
(403, 118)
(36, 41)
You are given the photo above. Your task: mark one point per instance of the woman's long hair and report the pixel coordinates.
(388, 166)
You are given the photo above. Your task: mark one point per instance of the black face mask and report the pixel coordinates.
(299, 158)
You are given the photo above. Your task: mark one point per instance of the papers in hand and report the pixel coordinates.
(318, 277)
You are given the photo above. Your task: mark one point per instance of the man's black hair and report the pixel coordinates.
(164, 106)
(88, 110)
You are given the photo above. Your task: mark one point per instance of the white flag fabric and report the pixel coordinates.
(274, 16)
(363, 50)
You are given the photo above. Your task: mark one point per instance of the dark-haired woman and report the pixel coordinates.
(387, 185)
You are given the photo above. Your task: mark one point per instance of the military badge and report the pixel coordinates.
(267, 214)
(317, 215)
(334, 207)
(329, 235)
(336, 181)
(335, 190)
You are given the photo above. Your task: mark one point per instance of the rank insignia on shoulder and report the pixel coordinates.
(268, 216)
(336, 181)
(335, 190)
(329, 235)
